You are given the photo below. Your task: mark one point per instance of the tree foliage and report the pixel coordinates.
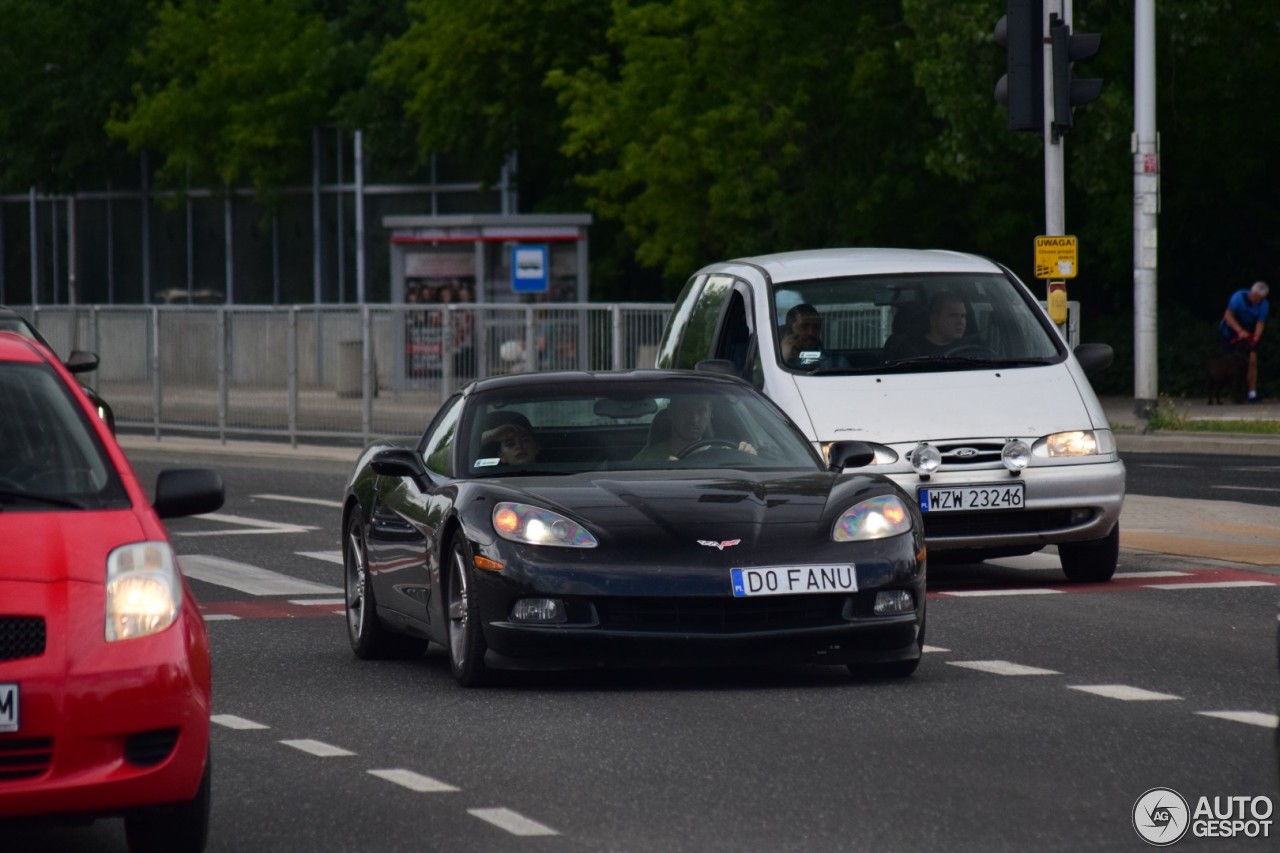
(230, 90)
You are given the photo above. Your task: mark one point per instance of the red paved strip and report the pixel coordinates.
(268, 609)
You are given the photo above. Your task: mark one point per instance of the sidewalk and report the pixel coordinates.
(1127, 426)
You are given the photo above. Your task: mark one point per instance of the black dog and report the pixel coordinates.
(1226, 374)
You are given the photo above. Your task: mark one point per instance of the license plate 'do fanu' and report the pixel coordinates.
(793, 580)
(970, 498)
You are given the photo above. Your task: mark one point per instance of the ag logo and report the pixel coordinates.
(1161, 816)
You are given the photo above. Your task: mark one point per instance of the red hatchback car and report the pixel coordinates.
(104, 660)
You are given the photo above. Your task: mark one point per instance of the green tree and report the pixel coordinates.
(712, 128)
(231, 89)
(471, 77)
(62, 66)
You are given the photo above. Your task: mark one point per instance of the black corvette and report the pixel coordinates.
(566, 520)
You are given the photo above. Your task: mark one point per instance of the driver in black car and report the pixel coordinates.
(689, 418)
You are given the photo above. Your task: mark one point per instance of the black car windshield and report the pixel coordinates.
(50, 457)
(627, 426)
(903, 323)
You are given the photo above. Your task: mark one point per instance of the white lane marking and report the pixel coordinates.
(1208, 585)
(1124, 693)
(327, 556)
(512, 822)
(1253, 718)
(1002, 667)
(221, 617)
(977, 593)
(231, 721)
(292, 499)
(254, 525)
(1248, 488)
(413, 781)
(1162, 465)
(246, 578)
(317, 601)
(317, 748)
(928, 649)
(1160, 574)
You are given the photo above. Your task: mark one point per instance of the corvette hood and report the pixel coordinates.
(698, 507)
(49, 547)
(911, 407)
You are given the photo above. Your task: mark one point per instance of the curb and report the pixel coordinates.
(1226, 444)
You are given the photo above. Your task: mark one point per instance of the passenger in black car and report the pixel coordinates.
(510, 437)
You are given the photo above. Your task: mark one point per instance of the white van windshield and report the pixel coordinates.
(910, 322)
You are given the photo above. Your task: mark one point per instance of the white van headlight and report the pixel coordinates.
(1076, 443)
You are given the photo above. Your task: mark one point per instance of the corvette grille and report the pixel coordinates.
(721, 615)
(21, 637)
(23, 758)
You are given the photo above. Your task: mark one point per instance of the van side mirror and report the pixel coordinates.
(1094, 357)
(850, 454)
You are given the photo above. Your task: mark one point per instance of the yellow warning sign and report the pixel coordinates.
(1056, 257)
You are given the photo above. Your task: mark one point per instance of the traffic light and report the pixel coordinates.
(1069, 92)
(1021, 89)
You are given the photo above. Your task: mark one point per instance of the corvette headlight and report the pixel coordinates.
(874, 518)
(537, 526)
(1077, 443)
(144, 591)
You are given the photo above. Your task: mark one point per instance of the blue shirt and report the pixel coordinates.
(1246, 313)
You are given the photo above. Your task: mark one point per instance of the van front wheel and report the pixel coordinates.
(1091, 562)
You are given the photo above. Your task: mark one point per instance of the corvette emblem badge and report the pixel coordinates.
(719, 546)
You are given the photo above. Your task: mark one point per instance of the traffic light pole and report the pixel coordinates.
(1055, 203)
(1146, 205)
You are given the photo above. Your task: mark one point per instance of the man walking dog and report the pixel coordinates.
(1241, 327)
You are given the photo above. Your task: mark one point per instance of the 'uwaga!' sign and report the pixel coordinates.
(1056, 257)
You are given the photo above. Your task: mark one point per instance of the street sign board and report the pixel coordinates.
(1056, 257)
(529, 273)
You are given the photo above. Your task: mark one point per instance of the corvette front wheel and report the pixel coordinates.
(466, 639)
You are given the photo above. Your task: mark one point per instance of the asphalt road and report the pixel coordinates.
(1040, 715)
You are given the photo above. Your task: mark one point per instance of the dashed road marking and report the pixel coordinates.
(413, 781)
(1002, 667)
(231, 721)
(512, 822)
(1124, 693)
(254, 580)
(1253, 718)
(221, 617)
(247, 526)
(296, 500)
(327, 556)
(1156, 574)
(318, 748)
(313, 601)
(928, 649)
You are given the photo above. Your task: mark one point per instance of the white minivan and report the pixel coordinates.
(947, 367)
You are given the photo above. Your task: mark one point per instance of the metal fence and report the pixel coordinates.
(330, 371)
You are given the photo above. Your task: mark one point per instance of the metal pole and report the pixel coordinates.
(1146, 206)
(368, 373)
(146, 230)
(317, 295)
(224, 344)
(275, 258)
(342, 228)
(35, 249)
(359, 145)
(71, 252)
(293, 376)
(55, 270)
(229, 241)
